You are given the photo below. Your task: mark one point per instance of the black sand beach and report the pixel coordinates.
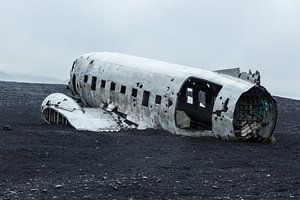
(41, 161)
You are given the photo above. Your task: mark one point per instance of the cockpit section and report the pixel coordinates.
(73, 80)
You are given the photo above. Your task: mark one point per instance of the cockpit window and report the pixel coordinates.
(73, 66)
(86, 78)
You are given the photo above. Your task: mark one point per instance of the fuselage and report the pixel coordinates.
(180, 99)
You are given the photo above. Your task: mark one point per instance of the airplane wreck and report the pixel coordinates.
(112, 91)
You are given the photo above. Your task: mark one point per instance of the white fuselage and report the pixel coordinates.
(154, 94)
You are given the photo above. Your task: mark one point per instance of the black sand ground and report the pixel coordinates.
(40, 161)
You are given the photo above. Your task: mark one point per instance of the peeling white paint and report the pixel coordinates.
(152, 94)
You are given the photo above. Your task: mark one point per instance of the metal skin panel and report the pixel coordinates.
(158, 78)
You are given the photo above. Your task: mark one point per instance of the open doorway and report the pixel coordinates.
(195, 102)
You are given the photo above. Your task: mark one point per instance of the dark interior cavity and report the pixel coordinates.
(255, 115)
(54, 117)
(195, 102)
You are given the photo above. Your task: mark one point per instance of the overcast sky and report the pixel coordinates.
(44, 37)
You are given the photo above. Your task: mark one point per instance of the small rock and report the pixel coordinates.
(292, 196)
(118, 182)
(13, 192)
(115, 188)
(59, 186)
(158, 181)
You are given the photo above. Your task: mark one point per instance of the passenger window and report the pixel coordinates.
(158, 99)
(134, 92)
(113, 86)
(123, 89)
(202, 99)
(86, 78)
(146, 96)
(189, 96)
(94, 81)
(103, 82)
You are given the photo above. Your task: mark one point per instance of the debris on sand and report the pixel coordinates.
(175, 167)
(6, 128)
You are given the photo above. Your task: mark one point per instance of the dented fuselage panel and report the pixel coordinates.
(145, 93)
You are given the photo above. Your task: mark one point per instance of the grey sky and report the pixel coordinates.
(43, 37)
